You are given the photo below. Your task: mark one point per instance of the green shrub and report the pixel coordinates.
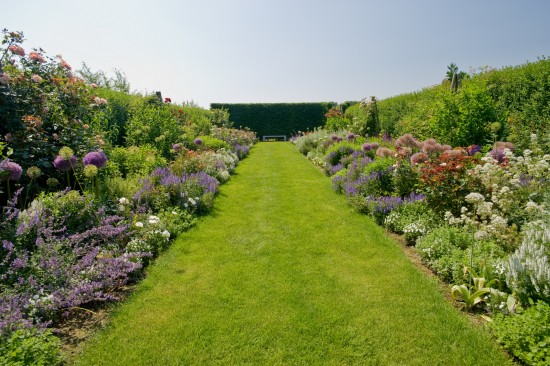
(212, 143)
(464, 118)
(30, 347)
(156, 126)
(405, 218)
(527, 334)
(137, 160)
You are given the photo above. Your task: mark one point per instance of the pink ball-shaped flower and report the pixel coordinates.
(14, 170)
(418, 158)
(97, 158)
(64, 164)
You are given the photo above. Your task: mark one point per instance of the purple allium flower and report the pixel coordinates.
(12, 168)
(473, 149)
(418, 158)
(366, 147)
(334, 138)
(351, 136)
(407, 140)
(97, 158)
(198, 141)
(63, 164)
(384, 152)
(176, 147)
(498, 154)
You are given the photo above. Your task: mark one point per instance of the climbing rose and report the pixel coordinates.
(35, 56)
(97, 158)
(4, 79)
(37, 79)
(17, 50)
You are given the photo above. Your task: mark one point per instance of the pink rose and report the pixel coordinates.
(16, 50)
(35, 56)
(65, 65)
(4, 79)
(37, 79)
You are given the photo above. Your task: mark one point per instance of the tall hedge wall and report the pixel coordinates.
(277, 118)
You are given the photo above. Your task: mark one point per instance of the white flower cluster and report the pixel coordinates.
(528, 269)
(510, 188)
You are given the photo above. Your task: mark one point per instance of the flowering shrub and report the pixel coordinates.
(453, 253)
(445, 181)
(63, 251)
(528, 268)
(44, 106)
(194, 192)
(234, 136)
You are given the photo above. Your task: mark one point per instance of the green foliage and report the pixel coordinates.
(474, 293)
(412, 213)
(405, 179)
(30, 347)
(212, 143)
(518, 98)
(220, 118)
(136, 160)
(523, 94)
(449, 251)
(527, 334)
(364, 117)
(464, 118)
(118, 112)
(277, 118)
(154, 125)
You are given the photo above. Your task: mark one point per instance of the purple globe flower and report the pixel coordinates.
(198, 141)
(366, 147)
(334, 138)
(14, 170)
(176, 147)
(97, 158)
(351, 136)
(64, 164)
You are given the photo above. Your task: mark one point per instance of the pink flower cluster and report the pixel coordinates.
(4, 79)
(35, 56)
(17, 50)
(100, 101)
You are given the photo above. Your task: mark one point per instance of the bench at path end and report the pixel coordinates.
(274, 138)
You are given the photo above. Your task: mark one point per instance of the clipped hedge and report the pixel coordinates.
(510, 103)
(277, 118)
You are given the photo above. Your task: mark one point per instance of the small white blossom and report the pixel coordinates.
(139, 224)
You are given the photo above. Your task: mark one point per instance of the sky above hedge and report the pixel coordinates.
(242, 51)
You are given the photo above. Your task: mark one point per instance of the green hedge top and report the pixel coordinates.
(277, 118)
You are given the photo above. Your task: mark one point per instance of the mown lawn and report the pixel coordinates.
(285, 273)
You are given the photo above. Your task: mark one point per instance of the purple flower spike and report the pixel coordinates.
(97, 158)
(63, 164)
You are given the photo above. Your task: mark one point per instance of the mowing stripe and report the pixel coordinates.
(285, 273)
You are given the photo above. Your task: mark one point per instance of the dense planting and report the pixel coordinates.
(96, 183)
(479, 216)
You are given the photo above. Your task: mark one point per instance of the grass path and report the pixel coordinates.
(284, 273)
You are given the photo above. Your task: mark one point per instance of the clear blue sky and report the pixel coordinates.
(283, 50)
